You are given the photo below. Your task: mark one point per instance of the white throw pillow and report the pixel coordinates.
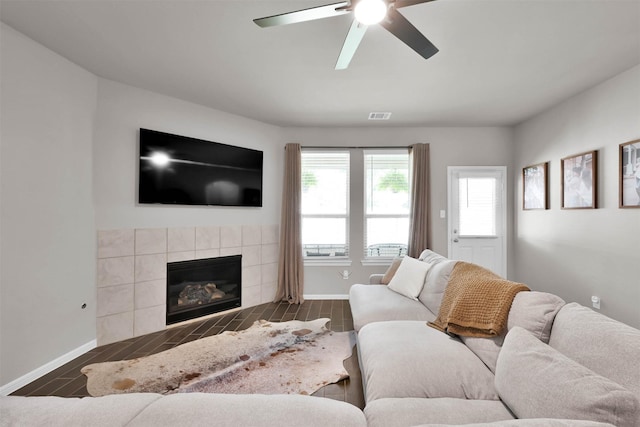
(409, 279)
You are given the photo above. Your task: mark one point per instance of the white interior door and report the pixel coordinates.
(477, 216)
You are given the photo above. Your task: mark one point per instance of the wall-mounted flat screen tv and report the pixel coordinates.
(188, 171)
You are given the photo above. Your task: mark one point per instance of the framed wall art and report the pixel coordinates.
(535, 186)
(579, 181)
(629, 175)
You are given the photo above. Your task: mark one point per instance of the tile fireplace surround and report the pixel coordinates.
(132, 270)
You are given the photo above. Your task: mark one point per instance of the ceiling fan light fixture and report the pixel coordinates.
(369, 12)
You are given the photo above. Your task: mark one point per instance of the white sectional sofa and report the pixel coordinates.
(556, 363)
(183, 409)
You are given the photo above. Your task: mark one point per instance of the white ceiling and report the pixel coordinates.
(500, 61)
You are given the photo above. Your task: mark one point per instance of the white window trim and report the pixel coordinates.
(360, 250)
(331, 261)
(379, 260)
(385, 261)
(327, 262)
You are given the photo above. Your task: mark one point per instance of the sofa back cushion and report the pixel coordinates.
(435, 283)
(431, 257)
(534, 380)
(533, 311)
(606, 346)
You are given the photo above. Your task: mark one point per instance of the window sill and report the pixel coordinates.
(335, 262)
(373, 262)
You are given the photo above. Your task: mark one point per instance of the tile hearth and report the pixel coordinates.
(132, 268)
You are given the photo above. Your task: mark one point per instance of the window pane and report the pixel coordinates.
(386, 183)
(387, 237)
(324, 236)
(478, 206)
(325, 203)
(325, 183)
(386, 202)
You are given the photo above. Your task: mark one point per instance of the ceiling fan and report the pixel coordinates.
(367, 12)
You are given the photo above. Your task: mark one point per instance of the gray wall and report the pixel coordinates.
(123, 110)
(48, 251)
(449, 146)
(580, 253)
(69, 145)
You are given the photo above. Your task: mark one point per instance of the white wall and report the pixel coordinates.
(123, 110)
(461, 146)
(580, 253)
(48, 251)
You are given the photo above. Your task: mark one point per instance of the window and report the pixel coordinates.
(478, 205)
(386, 213)
(355, 195)
(325, 203)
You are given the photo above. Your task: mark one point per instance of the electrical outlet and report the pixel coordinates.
(346, 274)
(595, 302)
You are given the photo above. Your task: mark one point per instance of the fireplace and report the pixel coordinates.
(204, 286)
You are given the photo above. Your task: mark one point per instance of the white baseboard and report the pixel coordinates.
(335, 296)
(18, 383)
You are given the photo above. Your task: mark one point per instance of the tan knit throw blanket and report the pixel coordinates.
(476, 302)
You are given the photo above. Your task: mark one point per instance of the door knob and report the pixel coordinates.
(455, 240)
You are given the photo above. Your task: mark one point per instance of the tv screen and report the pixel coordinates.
(188, 171)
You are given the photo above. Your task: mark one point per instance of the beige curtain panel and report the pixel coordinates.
(419, 218)
(290, 266)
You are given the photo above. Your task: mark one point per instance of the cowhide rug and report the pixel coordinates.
(292, 357)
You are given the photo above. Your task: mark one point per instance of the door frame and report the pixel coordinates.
(451, 170)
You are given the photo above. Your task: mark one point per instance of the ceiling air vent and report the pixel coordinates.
(379, 116)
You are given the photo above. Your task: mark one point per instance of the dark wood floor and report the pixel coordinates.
(68, 381)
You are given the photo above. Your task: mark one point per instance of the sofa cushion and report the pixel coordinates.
(377, 303)
(410, 359)
(606, 346)
(534, 380)
(408, 411)
(531, 422)
(408, 280)
(533, 311)
(183, 409)
(405, 412)
(431, 257)
(435, 283)
(376, 279)
(107, 411)
(198, 409)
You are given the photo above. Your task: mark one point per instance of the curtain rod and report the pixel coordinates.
(355, 148)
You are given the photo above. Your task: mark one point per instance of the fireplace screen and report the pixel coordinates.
(204, 286)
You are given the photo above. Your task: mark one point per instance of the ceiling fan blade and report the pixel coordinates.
(400, 27)
(350, 45)
(404, 3)
(310, 14)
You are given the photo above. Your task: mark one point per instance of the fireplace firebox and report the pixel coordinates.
(203, 286)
